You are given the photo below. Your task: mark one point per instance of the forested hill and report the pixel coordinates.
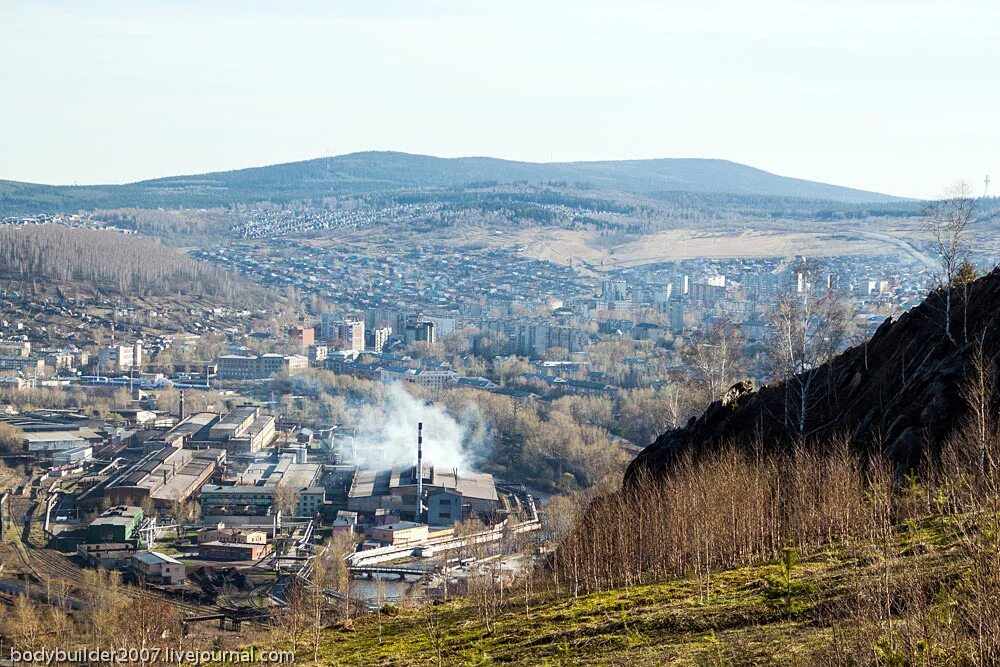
(113, 263)
(387, 171)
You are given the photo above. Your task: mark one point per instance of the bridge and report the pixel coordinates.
(369, 571)
(231, 616)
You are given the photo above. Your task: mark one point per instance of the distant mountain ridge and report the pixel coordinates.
(376, 170)
(387, 171)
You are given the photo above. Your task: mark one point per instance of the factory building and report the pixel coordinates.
(106, 555)
(155, 568)
(165, 476)
(56, 440)
(262, 367)
(453, 495)
(117, 525)
(222, 533)
(226, 543)
(244, 430)
(217, 550)
(401, 533)
(258, 489)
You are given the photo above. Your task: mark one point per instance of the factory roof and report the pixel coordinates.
(154, 558)
(190, 426)
(400, 525)
(386, 481)
(270, 472)
(122, 515)
(238, 415)
(51, 436)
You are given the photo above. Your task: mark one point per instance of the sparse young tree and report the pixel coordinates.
(809, 328)
(145, 621)
(716, 359)
(24, 624)
(947, 221)
(298, 614)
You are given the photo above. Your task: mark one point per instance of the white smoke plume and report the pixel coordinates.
(387, 433)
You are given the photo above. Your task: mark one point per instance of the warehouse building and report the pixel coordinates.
(156, 568)
(165, 476)
(217, 550)
(117, 525)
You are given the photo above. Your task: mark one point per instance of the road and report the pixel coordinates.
(903, 245)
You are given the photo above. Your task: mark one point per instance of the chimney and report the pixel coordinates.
(420, 471)
(181, 408)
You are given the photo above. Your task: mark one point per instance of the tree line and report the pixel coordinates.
(736, 507)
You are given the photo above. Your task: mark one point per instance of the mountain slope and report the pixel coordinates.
(900, 394)
(387, 171)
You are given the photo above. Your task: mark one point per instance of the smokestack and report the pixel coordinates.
(181, 406)
(420, 471)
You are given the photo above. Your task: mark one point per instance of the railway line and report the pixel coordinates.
(47, 565)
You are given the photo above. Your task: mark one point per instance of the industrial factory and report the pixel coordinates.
(167, 499)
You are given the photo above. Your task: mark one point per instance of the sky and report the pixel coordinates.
(887, 95)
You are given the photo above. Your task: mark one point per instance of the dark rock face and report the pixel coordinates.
(899, 394)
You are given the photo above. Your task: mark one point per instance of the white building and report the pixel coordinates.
(352, 333)
(120, 357)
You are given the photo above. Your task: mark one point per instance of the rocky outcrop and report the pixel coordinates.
(898, 394)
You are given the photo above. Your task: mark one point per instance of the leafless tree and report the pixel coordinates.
(24, 623)
(286, 499)
(947, 221)
(715, 357)
(808, 328)
(11, 437)
(431, 622)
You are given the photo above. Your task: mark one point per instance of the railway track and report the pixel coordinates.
(48, 565)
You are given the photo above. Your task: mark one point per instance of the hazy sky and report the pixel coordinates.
(895, 96)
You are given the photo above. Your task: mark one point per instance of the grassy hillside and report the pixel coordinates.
(388, 171)
(745, 615)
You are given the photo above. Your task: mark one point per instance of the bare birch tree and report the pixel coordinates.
(809, 328)
(716, 359)
(947, 221)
